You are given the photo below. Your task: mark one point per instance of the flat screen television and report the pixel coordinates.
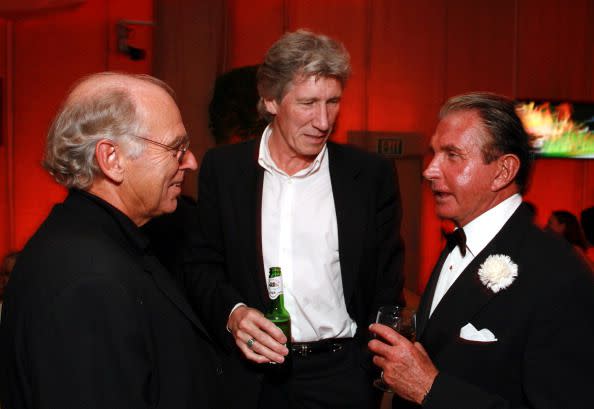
(558, 129)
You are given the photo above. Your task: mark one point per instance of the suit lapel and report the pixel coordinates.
(118, 228)
(349, 216)
(467, 295)
(461, 302)
(166, 284)
(250, 181)
(427, 298)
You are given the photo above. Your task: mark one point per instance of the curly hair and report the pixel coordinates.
(108, 113)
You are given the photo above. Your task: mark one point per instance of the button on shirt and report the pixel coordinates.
(479, 233)
(300, 235)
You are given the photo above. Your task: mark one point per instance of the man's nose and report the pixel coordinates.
(321, 120)
(188, 162)
(432, 170)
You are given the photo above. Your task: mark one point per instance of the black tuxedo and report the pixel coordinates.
(225, 264)
(543, 322)
(92, 320)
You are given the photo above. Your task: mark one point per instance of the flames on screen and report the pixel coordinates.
(552, 130)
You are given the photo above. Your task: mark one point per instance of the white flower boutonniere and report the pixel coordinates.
(498, 272)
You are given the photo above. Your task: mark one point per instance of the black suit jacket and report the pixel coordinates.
(543, 322)
(92, 320)
(225, 267)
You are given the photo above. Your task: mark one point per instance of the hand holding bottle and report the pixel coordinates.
(258, 338)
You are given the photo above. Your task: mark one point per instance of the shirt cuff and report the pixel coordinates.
(236, 306)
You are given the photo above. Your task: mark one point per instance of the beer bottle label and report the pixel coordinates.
(275, 287)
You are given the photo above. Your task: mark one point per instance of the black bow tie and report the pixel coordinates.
(456, 238)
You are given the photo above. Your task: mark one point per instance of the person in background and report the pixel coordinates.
(91, 319)
(328, 215)
(232, 112)
(507, 317)
(587, 223)
(5, 269)
(531, 207)
(566, 225)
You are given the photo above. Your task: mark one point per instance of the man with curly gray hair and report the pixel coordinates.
(91, 319)
(327, 214)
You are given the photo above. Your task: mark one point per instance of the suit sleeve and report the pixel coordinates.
(557, 361)
(90, 349)
(207, 287)
(390, 253)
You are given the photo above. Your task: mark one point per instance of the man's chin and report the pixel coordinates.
(313, 151)
(169, 206)
(444, 213)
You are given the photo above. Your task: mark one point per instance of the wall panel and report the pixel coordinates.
(66, 46)
(189, 54)
(480, 46)
(554, 46)
(48, 52)
(588, 185)
(553, 187)
(328, 17)
(555, 54)
(589, 53)
(252, 28)
(6, 223)
(406, 87)
(406, 74)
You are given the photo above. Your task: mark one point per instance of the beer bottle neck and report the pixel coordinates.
(278, 303)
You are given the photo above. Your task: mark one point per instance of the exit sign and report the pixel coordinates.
(389, 146)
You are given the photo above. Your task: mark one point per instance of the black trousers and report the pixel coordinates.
(322, 381)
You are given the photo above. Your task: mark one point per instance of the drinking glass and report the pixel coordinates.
(402, 320)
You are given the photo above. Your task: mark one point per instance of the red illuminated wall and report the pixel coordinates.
(41, 55)
(409, 57)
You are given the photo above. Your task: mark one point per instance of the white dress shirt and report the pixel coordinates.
(300, 235)
(479, 233)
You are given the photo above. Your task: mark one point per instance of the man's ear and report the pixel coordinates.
(271, 106)
(109, 159)
(507, 169)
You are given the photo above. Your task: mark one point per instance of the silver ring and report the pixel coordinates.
(382, 378)
(250, 343)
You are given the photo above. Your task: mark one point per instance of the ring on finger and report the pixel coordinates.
(250, 343)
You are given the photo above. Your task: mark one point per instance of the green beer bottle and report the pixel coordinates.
(277, 312)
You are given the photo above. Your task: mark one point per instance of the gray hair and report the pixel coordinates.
(299, 53)
(108, 112)
(503, 126)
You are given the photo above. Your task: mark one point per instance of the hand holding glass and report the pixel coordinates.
(403, 321)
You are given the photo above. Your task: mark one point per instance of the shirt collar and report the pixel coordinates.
(130, 230)
(265, 159)
(481, 230)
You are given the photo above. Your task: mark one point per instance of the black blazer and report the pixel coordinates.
(543, 322)
(92, 320)
(225, 267)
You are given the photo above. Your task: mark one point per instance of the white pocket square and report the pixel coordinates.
(470, 333)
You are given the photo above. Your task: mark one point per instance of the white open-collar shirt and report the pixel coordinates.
(300, 235)
(479, 232)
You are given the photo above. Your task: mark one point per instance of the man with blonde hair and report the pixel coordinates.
(91, 319)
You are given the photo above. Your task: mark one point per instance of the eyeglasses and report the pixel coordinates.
(179, 149)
